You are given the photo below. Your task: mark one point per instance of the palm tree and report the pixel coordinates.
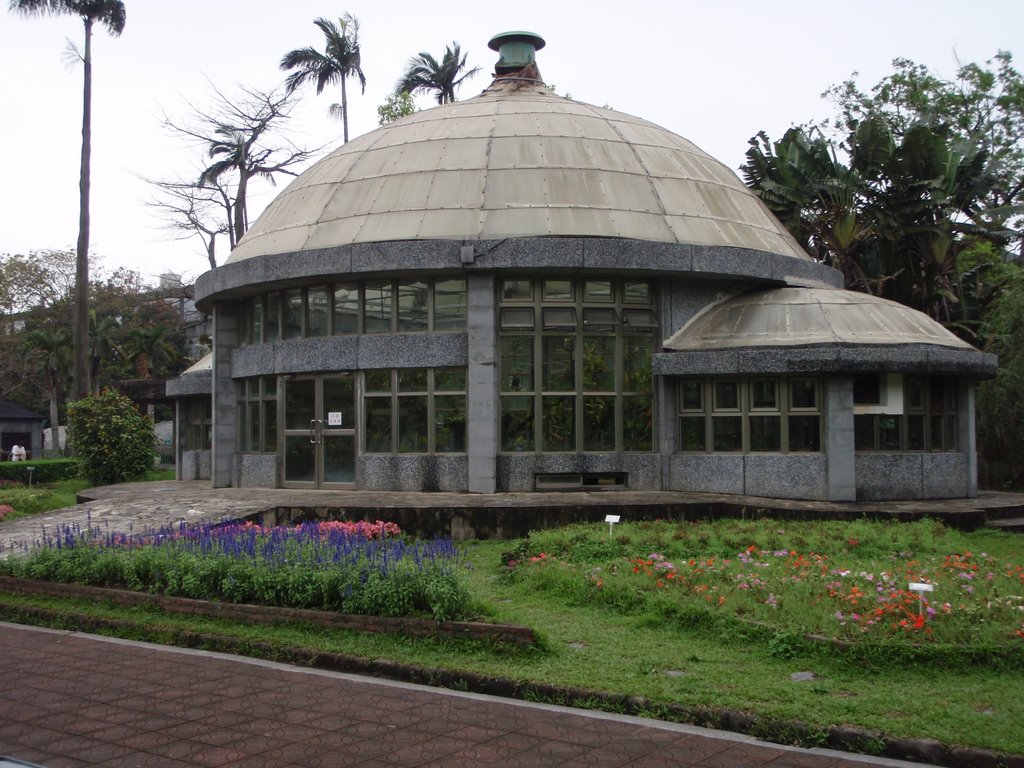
(424, 74)
(53, 344)
(102, 347)
(111, 14)
(340, 61)
(233, 148)
(150, 348)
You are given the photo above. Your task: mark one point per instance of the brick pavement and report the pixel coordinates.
(70, 700)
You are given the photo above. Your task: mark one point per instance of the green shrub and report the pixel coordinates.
(46, 471)
(114, 442)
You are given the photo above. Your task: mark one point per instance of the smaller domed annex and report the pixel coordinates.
(521, 292)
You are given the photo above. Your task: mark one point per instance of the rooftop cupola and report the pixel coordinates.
(517, 55)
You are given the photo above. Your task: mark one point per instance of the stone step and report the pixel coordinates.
(1012, 524)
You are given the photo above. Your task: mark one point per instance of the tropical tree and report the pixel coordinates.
(892, 217)
(54, 346)
(395, 107)
(425, 75)
(983, 105)
(242, 137)
(341, 60)
(149, 348)
(103, 346)
(111, 14)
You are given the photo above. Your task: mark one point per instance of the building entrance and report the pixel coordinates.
(320, 431)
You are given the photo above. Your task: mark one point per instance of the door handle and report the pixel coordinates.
(314, 431)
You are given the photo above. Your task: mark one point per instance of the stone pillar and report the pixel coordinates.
(666, 423)
(482, 385)
(180, 434)
(967, 438)
(839, 437)
(226, 329)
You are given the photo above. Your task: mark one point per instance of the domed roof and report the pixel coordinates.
(516, 161)
(789, 317)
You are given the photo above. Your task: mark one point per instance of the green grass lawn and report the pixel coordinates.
(907, 686)
(45, 497)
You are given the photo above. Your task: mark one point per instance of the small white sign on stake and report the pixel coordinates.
(921, 587)
(611, 520)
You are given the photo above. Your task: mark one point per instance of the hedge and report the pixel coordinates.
(46, 471)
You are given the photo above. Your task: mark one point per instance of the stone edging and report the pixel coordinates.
(466, 630)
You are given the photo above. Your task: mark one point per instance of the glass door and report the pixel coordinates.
(319, 431)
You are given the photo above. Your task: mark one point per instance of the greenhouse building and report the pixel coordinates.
(522, 292)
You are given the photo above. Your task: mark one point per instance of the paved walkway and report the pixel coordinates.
(137, 507)
(71, 700)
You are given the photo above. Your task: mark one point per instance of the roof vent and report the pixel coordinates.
(517, 53)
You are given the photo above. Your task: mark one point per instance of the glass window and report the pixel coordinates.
(517, 423)
(599, 364)
(764, 395)
(450, 424)
(378, 424)
(564, 349)
(257, 414)
(598, 290)
(377, 307)
(517, 363)
(346, 308)
(636, 364)
(765, 433)
(693, 431)
(804, 433)
(803, 393)
(516, 290)
(199, 416)
(450, 302)
(255, 330)
(559, 289)
(412, 424)
(599, 319)
(728, 433)
(559, 318)
(413, 306)
(929, 422)
(691, 394)
(637, 292)
(599, 423)
(748, 415)
(272, 324)
(317, 312)
(378, 381)
(637, 423)
(450, 380)
(412, 380)
(726, 395)
(558, 423)
(517, 318)
(559, 364)
(293, 313)
(639, 319)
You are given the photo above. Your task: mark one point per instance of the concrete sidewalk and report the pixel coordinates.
(71, 700)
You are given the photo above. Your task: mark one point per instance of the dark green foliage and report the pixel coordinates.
(47, 471)
(114, 442)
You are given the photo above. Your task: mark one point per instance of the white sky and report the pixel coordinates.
(714, 71)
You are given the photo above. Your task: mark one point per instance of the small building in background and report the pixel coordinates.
(20, 426)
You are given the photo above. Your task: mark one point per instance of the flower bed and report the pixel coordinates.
(356, 568)
(846, 584)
